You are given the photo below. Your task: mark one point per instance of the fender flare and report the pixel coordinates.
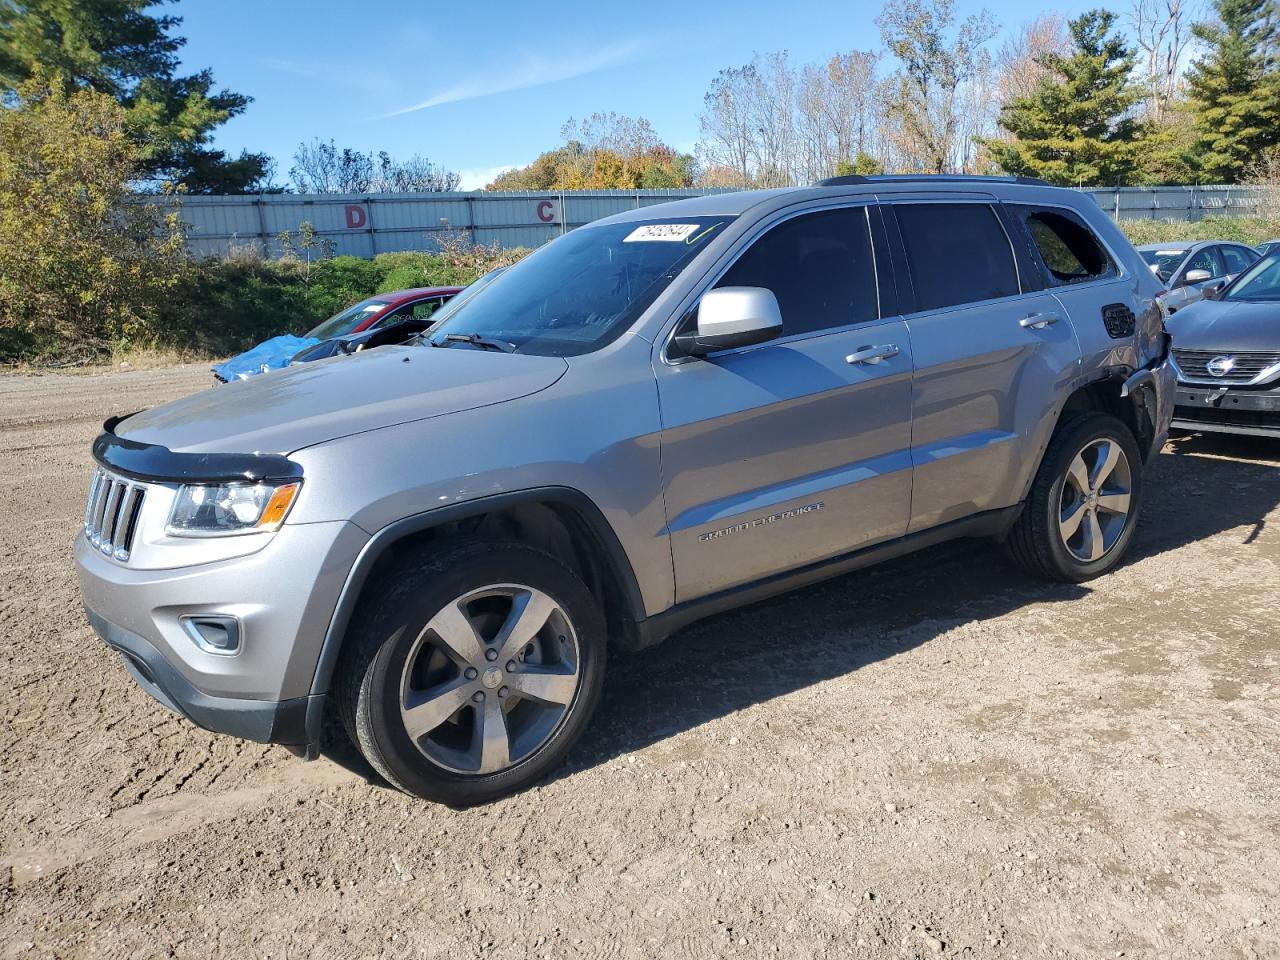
(392, 533)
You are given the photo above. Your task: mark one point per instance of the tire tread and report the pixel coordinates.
(375, 622)
(1029, 542)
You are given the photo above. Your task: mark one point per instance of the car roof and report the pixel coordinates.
(399, 296)
(1174, 246)
(935, 186)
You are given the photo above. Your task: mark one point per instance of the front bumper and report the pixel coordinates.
(283, 598)
(265, 721)
(1154, 387)
(1252, 412)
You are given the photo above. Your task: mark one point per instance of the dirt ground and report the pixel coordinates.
(933, 757)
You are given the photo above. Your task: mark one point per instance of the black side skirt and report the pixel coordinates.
(655, 629)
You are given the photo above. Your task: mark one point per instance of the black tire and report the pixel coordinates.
(1035, 543)
(398, 610)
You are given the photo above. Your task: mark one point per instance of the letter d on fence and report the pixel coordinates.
(356, 217)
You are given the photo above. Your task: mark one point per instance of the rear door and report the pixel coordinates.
(785, 453)
(1076, 266)
(1236, 259)
(991, 360)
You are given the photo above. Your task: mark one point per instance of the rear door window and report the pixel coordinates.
(1067, 249)
(818, 265)
(957, 253)
(1236, 259)
(418, 310)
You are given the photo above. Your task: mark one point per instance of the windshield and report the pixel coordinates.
(462, 296)
(1259, 284)
(1165, 262)
(582, 290)
(347, 320)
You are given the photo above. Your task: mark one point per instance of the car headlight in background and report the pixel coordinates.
(225, 509)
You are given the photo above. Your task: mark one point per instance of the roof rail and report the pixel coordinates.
(857, 178)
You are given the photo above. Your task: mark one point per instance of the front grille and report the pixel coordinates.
(1246, 367)
(111, 516)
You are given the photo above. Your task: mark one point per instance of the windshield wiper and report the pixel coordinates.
(475, 339)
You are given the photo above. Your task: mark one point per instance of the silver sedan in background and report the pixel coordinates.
(1187, 269)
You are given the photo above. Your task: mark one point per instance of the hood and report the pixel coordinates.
(309, 403)
(1227, 325)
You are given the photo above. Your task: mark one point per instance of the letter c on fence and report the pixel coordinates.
(546, 211)
(356, 217)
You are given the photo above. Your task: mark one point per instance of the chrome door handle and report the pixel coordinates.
(1038, 321)
(872, 354)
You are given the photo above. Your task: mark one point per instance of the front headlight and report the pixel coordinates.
(225, 509)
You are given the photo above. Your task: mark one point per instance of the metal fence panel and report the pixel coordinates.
(368, 224)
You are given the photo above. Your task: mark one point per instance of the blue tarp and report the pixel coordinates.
(271, 354)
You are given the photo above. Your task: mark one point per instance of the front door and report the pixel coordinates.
(790, 452)
(1183, 294)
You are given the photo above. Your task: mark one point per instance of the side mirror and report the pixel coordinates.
(1197, 276)
(731, 317)
(1214, 291)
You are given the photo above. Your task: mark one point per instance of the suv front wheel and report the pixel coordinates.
(473, 669)
(1082, 512)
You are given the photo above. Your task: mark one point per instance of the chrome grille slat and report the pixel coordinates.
(1248, 365)
(112, 512)
(129, 517)
(93, 495)
(99, 505)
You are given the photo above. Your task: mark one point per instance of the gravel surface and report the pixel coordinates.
(936, 757)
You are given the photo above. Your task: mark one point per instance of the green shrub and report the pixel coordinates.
(1250, 230)
(402, 278)
(458, 263)
(225, 306)
(336, 284)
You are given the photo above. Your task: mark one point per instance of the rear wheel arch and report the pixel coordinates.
(1105, 396)
(558, 520)
(1102, 395)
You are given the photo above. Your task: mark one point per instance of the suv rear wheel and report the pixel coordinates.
(1082, 511)
(473, 671)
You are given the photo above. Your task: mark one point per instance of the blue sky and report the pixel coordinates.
(483, 86)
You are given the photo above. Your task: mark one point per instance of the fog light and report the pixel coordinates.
(214, 634)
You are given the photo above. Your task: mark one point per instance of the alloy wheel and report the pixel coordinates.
(490, 679)
(1096, 497)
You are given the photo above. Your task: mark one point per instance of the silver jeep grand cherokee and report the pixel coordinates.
(657, 416)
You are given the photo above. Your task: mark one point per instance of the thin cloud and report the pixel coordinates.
(291, 66)
(535, 71)
(372, 80)
(475, 178)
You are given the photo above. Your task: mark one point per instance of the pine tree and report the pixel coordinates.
(1234, 90)
(1077, 127)
(118, 48)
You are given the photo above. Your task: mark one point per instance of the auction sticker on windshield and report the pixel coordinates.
(670, 232)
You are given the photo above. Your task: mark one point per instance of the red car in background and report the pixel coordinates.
(384, 309)
(407, 309)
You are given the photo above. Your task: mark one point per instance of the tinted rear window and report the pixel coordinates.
(818, 265)
(957, 253)
(1236, 259)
